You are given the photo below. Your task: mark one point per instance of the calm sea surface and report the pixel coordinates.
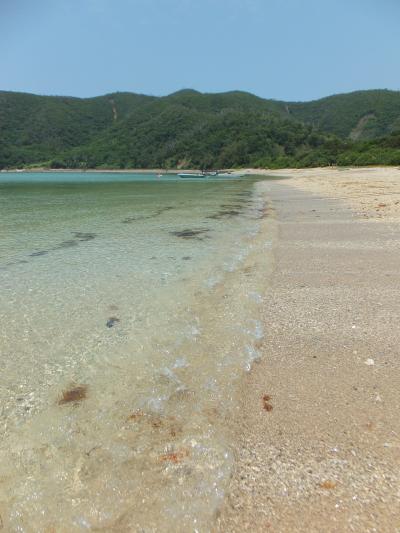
(129, 309)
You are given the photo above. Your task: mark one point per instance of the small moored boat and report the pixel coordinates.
(215, 174)
(193, 175)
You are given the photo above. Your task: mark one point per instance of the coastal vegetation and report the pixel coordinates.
(194, 130)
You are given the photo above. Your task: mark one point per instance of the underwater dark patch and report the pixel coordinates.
(82, 236)
(135, 218)
(66, 244)
(191, 233)
(231, 206)
(225, 214)
(112, 321)
(73, 394)
(129, 220)
(39, 253)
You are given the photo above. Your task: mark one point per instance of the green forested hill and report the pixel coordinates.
(191, 129)
(358, 115)
(35, 128)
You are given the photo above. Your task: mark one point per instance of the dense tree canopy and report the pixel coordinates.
(190, 129)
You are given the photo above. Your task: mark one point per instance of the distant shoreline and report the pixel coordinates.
(96, 171)
(113, 171)
(247, 171)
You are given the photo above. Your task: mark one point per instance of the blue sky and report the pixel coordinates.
(283, 49)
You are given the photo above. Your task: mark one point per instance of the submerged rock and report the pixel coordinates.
(112, 321)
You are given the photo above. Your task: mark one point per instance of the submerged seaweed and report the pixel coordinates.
(225, 214)
(66, 244)
(135, 218)
(39, 253)
(73, 395)
(82, 236)
(191, 233)
(232, 206)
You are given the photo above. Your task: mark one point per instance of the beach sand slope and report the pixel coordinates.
(318, 425)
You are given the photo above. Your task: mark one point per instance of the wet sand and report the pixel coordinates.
(317, 425)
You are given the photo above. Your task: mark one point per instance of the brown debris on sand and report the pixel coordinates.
(327, 485)
(331, 456)
(167, 424)
(73, 395)
(174, 457)
(266, 402)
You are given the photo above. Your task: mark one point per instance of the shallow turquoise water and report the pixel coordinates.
(81, 177)
(144, 291)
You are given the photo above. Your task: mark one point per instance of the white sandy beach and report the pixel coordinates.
(317, 423)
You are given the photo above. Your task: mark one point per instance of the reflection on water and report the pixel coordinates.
(128, 311)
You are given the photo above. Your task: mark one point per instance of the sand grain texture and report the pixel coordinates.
(326, 456)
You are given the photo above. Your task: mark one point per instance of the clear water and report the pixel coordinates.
(142, 294)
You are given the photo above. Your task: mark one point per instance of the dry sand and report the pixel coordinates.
(318, 425)
(371, 192)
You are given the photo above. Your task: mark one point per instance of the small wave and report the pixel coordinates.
(251, 355)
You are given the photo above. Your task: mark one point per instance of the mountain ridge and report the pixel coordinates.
(190, 128)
